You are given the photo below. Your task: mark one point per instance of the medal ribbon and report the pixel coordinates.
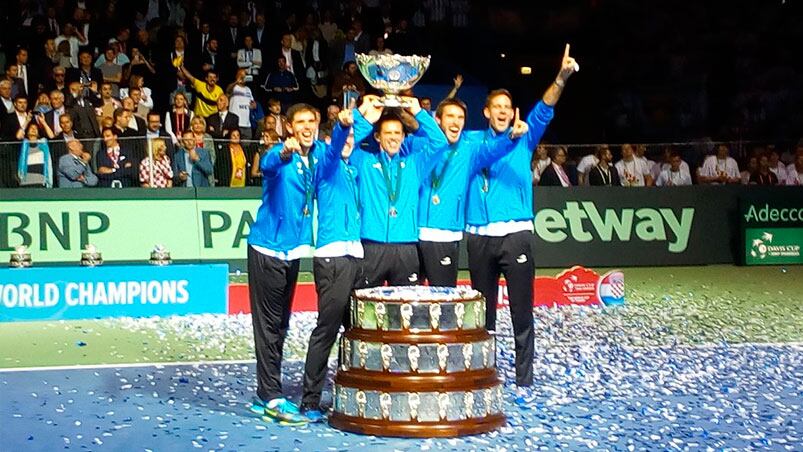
(309, 180)
(438, 178)
(393, 195)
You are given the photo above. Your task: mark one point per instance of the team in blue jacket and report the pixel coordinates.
(380, 194)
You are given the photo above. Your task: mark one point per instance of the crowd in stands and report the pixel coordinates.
(163, 93)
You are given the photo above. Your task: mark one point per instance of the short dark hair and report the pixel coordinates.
(117, 113)
(447, 102)
(387, 117)
(300, 108)
(154, 113)
(495, 93)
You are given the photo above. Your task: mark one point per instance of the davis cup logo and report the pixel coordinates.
(759, 248)
(611, 288)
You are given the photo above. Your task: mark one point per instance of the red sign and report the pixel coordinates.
(576, 286)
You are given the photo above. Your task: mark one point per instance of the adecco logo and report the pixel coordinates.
(768, 214)
(585, 223)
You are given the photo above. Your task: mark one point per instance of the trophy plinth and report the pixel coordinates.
(20, 258)
(91, 257)
(392, 74)
(160, 256)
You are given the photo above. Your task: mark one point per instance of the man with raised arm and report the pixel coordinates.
(389, 182)
(442, 197)
(500, 220)
(337, 262)
(280, 236)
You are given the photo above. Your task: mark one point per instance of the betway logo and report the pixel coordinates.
(584, 222)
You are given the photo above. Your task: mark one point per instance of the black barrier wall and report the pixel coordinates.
(592, 226)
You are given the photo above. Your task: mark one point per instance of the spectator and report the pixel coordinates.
(109, 66)
(242, 103)
(158, 171)
(293, 61)
(24, 73)
(554, 175)
(674, 175)
(35, 165)
(794, 173)
(232, 163)
(763, 176)
(379, 47)
(362, 42)
(720, 168)
(42, 104)
(260, 34)
(74, 170)
(326, 127)
(587, 163)
(6, 101)
(777, 167)
(84, 73)
(17, 121)
(192, 166)
(269, 139)
(220, 124)
(666, 163)
(539, 162)
(74, 40)
(249, 59)
(155, 132)
(752, 167)
(604, 174)
(140, 65)
(177, 120)
(281, 84)
(58, 81)
(349, 82)
(67, 132)
(633, 172)
(117, 167)
(208, 93)
(136, 124)
(17, 86)
(81, 104)
(107, 101)
(641, 154)
(204, 140)
(210, 60)
(144, 100)
(275, 119)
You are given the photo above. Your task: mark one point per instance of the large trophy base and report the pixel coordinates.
(393, 101)
(439, 429)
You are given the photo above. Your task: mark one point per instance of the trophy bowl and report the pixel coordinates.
(392, 74)
(160, 256)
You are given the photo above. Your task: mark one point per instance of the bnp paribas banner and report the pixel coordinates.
(125, 225)
(772, 226)
(591, 226)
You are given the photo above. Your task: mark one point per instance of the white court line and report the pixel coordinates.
(251, 361)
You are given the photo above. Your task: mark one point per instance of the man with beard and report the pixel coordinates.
(500, 220)
(442, 197)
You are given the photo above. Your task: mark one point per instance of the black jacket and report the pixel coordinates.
(596, 177)
(216, 129)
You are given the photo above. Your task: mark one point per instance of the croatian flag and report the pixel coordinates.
(611, 288)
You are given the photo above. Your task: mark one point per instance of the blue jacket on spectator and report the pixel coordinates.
(284, 219)
(201, 170)
(418, 155)
(71, 168)
(503, 191)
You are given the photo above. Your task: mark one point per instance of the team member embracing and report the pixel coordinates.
(442, 202)
(500, 221)
(389, 182)
(337, 263)
(280, 236)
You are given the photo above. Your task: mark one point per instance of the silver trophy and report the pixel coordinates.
(160, 256)
(392, 74)
(90, 256)
(20, 258)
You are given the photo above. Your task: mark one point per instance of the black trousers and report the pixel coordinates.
(271, 284)
(439, 262)
(335, 277)
(511, 255)
(394, 263)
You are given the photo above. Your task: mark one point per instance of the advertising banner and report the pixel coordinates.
(71, 293)
(772, 226)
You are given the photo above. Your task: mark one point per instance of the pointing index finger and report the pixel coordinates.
(517, 114)
(352, 103)
(566, 51)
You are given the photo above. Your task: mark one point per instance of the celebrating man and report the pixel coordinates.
(500, 220)
(281, 235)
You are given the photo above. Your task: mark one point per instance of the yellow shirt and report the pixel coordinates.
(237, 166)
(202, 108)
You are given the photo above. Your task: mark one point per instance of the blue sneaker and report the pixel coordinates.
(284, 411)
(313, 415)
(525, 399)
(257, 406)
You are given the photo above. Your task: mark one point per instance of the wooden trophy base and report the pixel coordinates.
(441, 429)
